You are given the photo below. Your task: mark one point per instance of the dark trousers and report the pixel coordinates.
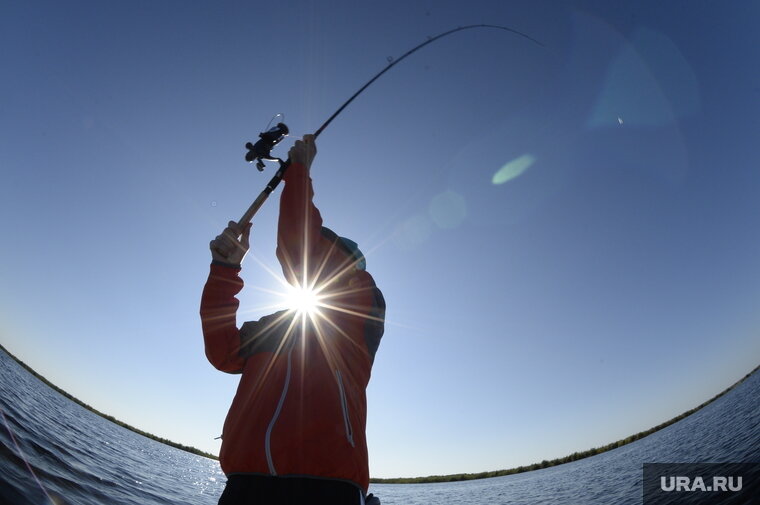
(263, 490)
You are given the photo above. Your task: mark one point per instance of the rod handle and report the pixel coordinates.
(259, 201)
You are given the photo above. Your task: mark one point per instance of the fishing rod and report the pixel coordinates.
(262, 149)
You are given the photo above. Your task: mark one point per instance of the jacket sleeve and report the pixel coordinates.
(218, 310)
(299, 239)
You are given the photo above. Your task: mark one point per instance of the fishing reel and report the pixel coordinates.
(262, 149)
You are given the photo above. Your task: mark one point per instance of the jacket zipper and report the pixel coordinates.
(344, 407)
(268, 439)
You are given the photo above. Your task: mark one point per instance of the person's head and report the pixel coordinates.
(348, 246)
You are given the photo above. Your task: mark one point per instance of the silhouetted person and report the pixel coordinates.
(295, 433)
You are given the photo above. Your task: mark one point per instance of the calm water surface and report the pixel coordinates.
(54, 451)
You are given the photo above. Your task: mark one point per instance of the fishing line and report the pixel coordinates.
(23, 457)
(262, 149)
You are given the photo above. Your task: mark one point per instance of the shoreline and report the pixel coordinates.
(431, 479)
(410, 480)
(186, 448)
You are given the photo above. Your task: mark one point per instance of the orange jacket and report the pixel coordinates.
(300, 408)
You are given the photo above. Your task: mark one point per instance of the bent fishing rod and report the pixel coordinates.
(262, 149)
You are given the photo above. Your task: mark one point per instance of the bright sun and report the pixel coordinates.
(302, 300)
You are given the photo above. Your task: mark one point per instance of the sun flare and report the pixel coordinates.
(302, 300)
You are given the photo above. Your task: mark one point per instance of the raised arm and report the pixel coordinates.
(298, 231)
(218, 303)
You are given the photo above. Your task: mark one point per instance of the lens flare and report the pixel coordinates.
(448, 209)
(513, 169)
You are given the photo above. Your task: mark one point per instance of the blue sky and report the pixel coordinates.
(607, 284)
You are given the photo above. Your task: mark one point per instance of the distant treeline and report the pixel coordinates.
(547, 463)
(186, 448)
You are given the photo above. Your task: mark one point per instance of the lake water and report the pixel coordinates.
(54, 451)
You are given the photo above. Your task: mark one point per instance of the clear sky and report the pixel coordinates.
(566, 237)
